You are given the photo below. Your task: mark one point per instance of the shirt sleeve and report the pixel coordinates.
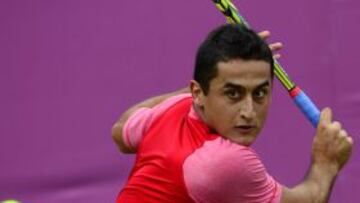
(222, 171)
(141, 120)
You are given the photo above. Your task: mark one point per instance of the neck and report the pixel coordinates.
(200, 113)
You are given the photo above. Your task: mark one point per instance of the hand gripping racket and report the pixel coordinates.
(305, 104)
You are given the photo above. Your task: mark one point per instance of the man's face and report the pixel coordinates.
(238, 99)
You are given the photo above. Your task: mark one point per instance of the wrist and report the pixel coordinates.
(319, 181)
(327, 171)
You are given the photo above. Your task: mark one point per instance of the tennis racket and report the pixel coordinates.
(305, 104)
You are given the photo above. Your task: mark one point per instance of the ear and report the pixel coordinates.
(197, 93)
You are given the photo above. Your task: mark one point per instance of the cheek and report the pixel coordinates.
(214, 105)
(262, 112)
(220, 111)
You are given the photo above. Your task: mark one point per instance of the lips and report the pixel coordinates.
(245, 129)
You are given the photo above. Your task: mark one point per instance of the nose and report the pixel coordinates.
(247, 110)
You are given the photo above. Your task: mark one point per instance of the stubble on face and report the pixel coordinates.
(238, 99)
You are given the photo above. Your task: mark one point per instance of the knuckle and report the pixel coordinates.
(349, 140)
(335, 126)
(322, 126)
(341, 136)
(343, 133)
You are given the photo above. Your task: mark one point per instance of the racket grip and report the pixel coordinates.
(305, 104)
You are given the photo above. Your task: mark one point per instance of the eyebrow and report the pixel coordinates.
(236, 86)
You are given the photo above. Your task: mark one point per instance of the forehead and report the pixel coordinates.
(242, 72)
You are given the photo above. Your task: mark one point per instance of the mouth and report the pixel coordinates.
(245, 129)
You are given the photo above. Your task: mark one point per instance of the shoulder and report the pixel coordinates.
(171, 101)
(222, 168)
(222, 159)
(145, 115)
(141, 119)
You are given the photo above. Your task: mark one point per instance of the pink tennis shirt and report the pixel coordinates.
(180, 160)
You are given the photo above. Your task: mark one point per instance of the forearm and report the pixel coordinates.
(149, 103)
(316, 188)
(331, 150)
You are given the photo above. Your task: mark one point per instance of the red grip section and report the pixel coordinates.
(294, 92)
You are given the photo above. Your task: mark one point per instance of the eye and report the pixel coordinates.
(233, 94)
(260, 93)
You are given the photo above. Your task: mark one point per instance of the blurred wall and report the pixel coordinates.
(69, 68)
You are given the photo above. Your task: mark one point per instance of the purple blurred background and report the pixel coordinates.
(69, 68)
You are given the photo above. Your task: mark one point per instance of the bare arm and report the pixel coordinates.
(315, 188)
(330, 151)
(149, 103)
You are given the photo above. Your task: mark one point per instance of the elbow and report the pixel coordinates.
(116, 132)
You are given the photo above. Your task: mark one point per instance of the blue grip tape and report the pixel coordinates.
(311, 112)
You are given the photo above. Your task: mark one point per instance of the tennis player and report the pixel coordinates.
(194, 145)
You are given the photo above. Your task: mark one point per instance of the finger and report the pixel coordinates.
(336, 125)
(345, 140)
(264, 34)
(342, 136)
(277, 56)
(350, 140)
(276, 46)
(326, 116)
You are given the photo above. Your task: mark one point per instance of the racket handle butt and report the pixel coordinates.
(305, 104)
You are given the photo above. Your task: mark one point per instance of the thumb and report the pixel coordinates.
(326, 116)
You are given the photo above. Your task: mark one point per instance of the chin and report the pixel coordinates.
(245, 141)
